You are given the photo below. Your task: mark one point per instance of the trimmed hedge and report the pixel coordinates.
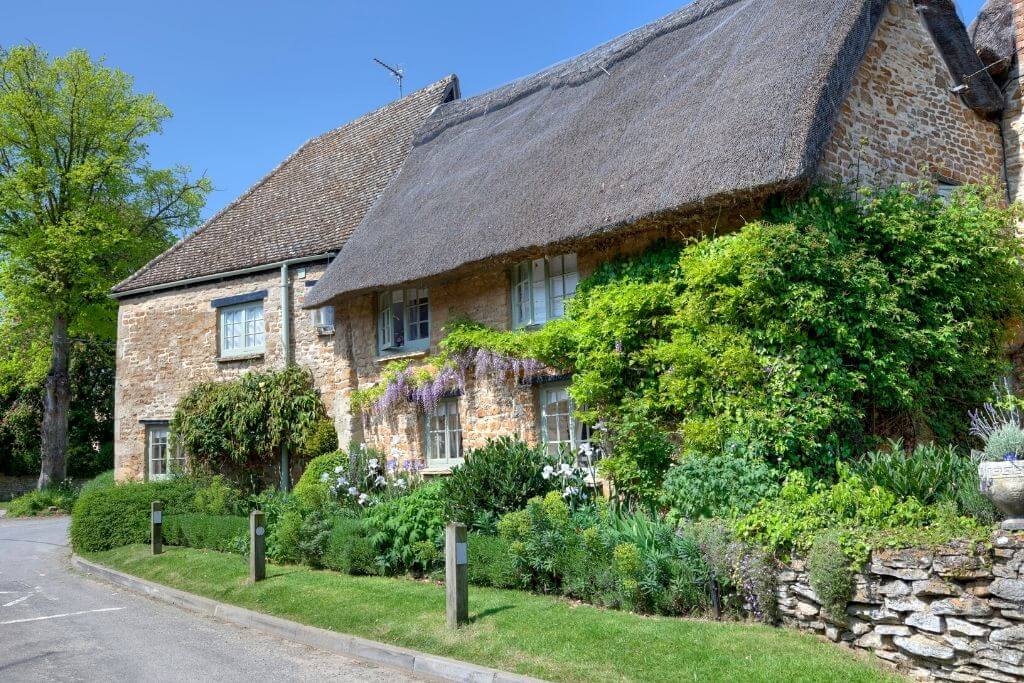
(226, 533)
(490, 562)
(349, 550)
(106, 518)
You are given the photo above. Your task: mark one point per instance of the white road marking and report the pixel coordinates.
(58, 616)
(15, 602)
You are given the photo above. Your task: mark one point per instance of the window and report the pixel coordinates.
(541, 287)
(163, 462)
(403, 320)
(945, 189)
(560, 430)
(444, 435)
(323, 320)
(241, 329)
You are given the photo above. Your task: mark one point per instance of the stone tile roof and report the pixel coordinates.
(309, 204)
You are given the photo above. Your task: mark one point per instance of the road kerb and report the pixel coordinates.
(392, 656)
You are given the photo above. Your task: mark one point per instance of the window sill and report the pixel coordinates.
(240, 357)
(401, 355)
(439, 470)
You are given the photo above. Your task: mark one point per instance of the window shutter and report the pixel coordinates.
(540, 291)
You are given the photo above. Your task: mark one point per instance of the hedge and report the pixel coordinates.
(226, 533)
(106, 518)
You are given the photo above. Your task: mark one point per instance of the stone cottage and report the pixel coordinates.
(496, 206)
(228, 298)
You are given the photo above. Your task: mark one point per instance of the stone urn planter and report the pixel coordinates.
(1002, 482)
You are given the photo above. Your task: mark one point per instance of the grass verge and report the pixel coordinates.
(510, 630)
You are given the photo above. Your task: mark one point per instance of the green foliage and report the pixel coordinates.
(60, 496)
(399, 524)
(105, 518)
(349, 549)
(1007, 439)
(321, 439)
(311, 491)
(863, 516)
(100, 481)
(242, 424)
(929, 473)
(497, 478)
(830, 574)
(225, 533)
(701, 486)
(217, 497)
(640, 454)
(490, 561)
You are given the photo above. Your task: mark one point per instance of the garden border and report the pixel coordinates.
(392, 656)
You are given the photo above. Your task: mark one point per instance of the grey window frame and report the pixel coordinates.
(451, 407)
(387, 319)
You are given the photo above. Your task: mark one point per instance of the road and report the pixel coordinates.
(57, 624)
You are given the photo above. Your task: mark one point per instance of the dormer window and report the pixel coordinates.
(541, 288)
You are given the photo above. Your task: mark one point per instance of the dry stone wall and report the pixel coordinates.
(953, 613)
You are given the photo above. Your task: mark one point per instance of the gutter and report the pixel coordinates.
(326, 256)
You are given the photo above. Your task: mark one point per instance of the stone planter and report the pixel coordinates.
(1003, 484)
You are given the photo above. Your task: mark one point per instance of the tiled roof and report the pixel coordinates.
(306, 206)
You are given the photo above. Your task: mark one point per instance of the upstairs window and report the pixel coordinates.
(541, 287)
(241, 329)
(323, 320)
(403, 320)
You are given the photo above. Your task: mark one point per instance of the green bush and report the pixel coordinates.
(493, 480)
(311, 491)
(830, 575)
(217, 497)
(100, 481)
(224, 533)
(106, 518)
(701, 486)
(321, 439)
(1006, 439)
(349, 549)
(929, 473)
(490, 561)
(399, 524)
(61, 496)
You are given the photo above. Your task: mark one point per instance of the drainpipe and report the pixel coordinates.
(286, 346)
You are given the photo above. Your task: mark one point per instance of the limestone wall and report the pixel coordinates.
(951, 613)
(901, 123)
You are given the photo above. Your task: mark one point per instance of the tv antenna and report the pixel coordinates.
(397, 73)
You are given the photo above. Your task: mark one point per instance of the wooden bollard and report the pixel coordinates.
(456, 585)
(257, 547)
(156, 527)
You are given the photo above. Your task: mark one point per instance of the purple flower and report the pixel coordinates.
(1010, 457)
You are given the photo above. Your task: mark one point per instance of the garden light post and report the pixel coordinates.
(456, 586)
(257, 547)
(156, 524)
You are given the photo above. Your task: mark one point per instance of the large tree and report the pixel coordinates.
(80, 209)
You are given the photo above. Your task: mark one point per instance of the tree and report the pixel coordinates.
(80, 209)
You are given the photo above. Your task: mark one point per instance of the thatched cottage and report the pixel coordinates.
(495, 206)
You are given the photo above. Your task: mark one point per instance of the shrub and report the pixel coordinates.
(640, 454)
(541, 538)
(723, 485)
(100, 481)
(1005, 440)
(217, 497)
(61, 496)
(224, 533)
(399, 524)
(493, 480)
(311, 491)
(830, 575)
(490, 561)
(321, 439)
(284, 538)
(349, 549)
(106, 518)
(929, 473)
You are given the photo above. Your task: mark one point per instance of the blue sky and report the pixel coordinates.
(248, 82)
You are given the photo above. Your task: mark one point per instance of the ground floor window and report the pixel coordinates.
(163, 461)
(444, 435)
(560, 430)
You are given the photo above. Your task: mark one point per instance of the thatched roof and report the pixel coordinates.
(719, 98)
(309, 204)
(993, 36)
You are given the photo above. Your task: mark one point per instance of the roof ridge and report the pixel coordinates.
(171, 250)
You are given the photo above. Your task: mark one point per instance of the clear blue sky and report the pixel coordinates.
(248, 82)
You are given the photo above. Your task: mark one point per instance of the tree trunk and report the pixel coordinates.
(55, 408)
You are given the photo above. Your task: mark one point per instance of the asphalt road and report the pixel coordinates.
(57, 624)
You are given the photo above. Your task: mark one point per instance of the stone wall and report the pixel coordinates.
(167, 343)
(954, 613)
(13, 486)
(901, 123)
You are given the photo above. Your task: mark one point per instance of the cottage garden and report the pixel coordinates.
(793, 396)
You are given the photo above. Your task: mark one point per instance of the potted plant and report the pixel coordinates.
(1001, 466)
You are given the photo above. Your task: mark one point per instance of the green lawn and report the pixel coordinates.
(515, 631)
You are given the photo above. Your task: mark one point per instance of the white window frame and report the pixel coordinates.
(158, 443)
(540, 288)
(323, 320)
(446, 437)
(396, 330)
(251, 329)
(577, 432)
